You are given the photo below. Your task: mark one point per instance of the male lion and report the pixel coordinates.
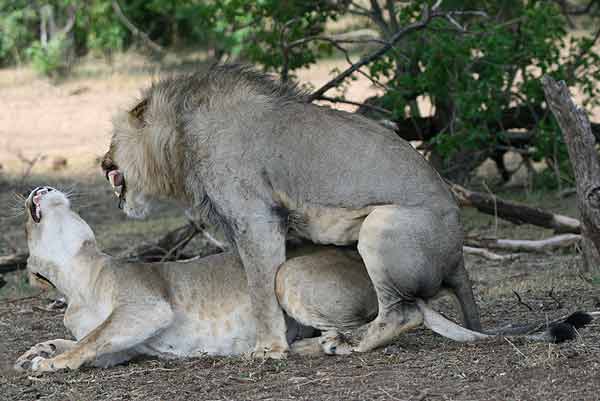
(118, 310)
(253, 156)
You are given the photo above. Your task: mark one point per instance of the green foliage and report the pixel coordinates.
(16, 21)
(49, 60)
(268, 32)
(98, 30)
(472, 79)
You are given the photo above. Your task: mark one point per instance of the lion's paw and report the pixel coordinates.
(334, 343)
(268, 353)
(36, 353)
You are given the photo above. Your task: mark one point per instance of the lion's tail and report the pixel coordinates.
(556, 331)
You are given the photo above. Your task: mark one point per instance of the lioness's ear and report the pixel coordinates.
(136, 115)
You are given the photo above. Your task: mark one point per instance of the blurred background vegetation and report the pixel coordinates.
(466, 86)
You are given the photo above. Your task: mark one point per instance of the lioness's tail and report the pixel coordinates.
(555, 332)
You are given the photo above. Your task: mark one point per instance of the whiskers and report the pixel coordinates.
(73, 193)
(16, 206)
(79, 199)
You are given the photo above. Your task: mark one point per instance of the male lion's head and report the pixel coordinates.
(142, 161)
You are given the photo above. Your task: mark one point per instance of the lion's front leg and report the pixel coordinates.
(126, 327)
(258, 228)
(262, 258)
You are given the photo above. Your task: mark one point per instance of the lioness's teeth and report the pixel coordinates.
(38, 212)
(118, 190)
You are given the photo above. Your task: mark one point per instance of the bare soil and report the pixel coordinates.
(72, 120)
(419, 366)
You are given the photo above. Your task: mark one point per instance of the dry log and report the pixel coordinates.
(517, 245)
(13, 262)
(169, 247)
(515, 212)
(583, 155)
(486, 254)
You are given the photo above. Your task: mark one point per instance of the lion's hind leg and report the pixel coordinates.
(407, 252)
(389, 325)
(329, 343)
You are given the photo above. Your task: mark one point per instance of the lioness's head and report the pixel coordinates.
(143, 161)
(55, 233)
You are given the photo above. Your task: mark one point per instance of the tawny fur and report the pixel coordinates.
(118, 310)
(248, 153)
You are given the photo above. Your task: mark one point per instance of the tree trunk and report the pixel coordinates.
(583, 155)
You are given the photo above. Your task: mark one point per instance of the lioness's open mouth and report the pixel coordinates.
(35, 209)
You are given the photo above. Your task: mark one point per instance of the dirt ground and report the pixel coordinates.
(72, 120)
(419, 366)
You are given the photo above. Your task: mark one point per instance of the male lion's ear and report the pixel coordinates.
(136, 115)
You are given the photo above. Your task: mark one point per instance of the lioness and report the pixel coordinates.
(118, 310)
(254, 157)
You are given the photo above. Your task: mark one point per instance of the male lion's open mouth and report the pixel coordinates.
(35, 209)
(117, 181)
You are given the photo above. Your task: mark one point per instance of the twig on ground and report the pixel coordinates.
(29, 164)
(519, 245)
(559, 304)
(515, 348)
(484, 253)
(15, 300)
(521, 301)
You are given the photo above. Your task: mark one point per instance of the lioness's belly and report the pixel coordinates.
(214, 333)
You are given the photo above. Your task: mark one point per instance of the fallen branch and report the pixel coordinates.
(170, 247)
(515, 212)
(13, 262)
(486, 254)
(517, 245)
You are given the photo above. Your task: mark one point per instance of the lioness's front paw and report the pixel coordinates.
(39, 364)
(42, 350)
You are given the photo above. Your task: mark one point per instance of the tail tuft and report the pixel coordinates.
(560, 332)
(578, 319)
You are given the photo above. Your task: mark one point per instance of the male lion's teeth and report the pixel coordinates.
(118, 190)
